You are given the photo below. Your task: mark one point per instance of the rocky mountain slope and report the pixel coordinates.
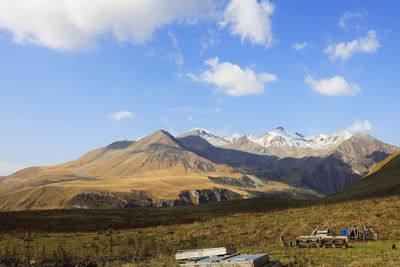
(158, 166)
(325, 163)
(277, 142)
(383, 181)
(197, 167)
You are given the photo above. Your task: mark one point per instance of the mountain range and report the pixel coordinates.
(197, 167)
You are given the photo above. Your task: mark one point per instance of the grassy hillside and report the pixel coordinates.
(384, 180)
(382, 163)
(254, 227)
(70, 220)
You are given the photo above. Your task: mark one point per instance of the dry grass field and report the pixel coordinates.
(250, 232)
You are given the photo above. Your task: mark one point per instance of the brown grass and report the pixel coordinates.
(382, 163)
(249, 232)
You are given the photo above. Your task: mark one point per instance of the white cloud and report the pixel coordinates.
(233, 80)
(300, 46)
(191, 119)
(335, 86)
(75, 25)
(173, 39)
(7, 168)
(346, 16)
(117, 116)
(267, 77)
(250, 20)
(176, 56)
(368, 44)
(208, 40)
(164, 120)
(360, 126)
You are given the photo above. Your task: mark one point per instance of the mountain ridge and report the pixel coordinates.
(170, 169)
(324, 170)
(292, 138)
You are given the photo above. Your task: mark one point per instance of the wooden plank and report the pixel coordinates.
(239, 260)
(208, 252)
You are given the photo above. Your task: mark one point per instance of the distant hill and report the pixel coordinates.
(382, 181)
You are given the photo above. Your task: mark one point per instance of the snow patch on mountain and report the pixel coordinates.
(277, 138)
(238, 138)
(212, 138)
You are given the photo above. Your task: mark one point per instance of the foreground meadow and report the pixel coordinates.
(249, 232)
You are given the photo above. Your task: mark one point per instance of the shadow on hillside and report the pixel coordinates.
(324, 175)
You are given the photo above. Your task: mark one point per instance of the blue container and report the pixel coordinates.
(344, 233)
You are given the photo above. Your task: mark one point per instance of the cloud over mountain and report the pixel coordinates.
(117, 116)
(232, 79)
(360, 126)
(250, 20)
(75, 25)
(344, 51)
(335, 86)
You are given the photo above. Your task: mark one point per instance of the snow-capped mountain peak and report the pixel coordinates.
(277, 138)
(212, 138)
(238, 138)
(333, 138)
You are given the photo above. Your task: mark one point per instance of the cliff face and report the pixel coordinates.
(141, 198)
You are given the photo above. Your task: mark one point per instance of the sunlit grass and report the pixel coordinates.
(248, 232)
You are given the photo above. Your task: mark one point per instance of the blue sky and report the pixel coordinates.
(75, 76)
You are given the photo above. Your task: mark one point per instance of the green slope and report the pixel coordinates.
(384, 181)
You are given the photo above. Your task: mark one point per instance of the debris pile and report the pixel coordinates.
(324, 237)
(214, 257)
(360, 233)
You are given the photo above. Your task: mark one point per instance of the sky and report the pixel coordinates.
(78, 75)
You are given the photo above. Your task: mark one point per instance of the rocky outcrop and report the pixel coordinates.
(190, 197)
(104, 200)
(243, 182)
(141, 198)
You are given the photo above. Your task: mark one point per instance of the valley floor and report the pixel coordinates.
(249, 232)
